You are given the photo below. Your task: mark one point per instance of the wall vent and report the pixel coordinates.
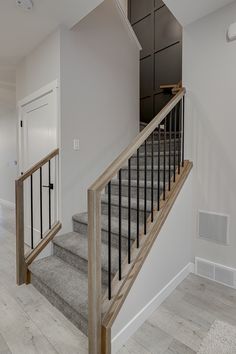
(216, 272)
(213, 227)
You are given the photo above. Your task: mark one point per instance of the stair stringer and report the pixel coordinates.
(116, 322)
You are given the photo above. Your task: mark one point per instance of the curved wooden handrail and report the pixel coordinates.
(37, 166)
(120, 161)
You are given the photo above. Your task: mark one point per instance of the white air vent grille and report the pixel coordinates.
(216, 272)
(213, 227)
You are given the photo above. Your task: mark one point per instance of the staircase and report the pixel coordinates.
(93, 268)
(63, 278)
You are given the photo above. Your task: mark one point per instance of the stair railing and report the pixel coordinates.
(37, 212)
(169, 123)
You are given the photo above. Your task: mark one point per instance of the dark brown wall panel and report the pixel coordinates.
(159, 3)
(144, 32)
(168, 65)
(167, 30)
(139, 9)
(146, 77)
(146, 109)
(161, 58)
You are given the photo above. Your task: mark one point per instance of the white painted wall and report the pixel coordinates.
(100, 101)
(170, 255)
(209, 75)
(8, 153)
(188, 11)
(40, 67)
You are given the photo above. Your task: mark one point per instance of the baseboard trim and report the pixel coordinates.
(122, 337)
(8, 204)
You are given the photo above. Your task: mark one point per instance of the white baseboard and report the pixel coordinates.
(7, 204)
(122, 337)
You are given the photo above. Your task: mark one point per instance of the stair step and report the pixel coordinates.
(155, 158)
(124, 207)
(72, 248)
(133, 172)
(80, 224)
(65, 287)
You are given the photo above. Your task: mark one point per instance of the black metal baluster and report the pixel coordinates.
(129, 213)
(164, 164)
(120, 219)
(145, 188)
(32, 211)
(174, 144)
(170, 147)
(183, 128)
(152, 182)
(137, 198)
(179, 136)
(49, 196)
(41, 203)
(109, 240)
(159, 169)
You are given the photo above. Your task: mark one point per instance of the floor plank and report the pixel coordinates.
(29, 324)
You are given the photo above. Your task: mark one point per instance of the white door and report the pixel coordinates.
(38, 139)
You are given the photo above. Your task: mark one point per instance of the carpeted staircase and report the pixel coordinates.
(62, 277)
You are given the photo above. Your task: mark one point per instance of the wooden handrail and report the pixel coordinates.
(120, 161)
(37, 166)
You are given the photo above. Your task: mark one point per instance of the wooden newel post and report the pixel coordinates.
(94, 272)
(20, 257)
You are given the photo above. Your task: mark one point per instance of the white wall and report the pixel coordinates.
(40, 67)
(8, 153)
(171, 253)
(209, 75)
(97, 65)
(100, 101)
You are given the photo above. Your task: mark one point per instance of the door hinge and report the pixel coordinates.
(21, 123)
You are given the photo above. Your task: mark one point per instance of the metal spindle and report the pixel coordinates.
(145, 188)
(41, 203)
(174, 144)
(183, 128)
(170, 141)
(179, 135)
(129, 213)
(164, 167)
(49, 196)
(109, 240)
(152, 182)
(159, 168)
(137, 236)
(120, 219)
(32, 211)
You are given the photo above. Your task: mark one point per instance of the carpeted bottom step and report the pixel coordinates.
(65, 287)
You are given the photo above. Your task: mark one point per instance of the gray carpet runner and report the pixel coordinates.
(62, 277)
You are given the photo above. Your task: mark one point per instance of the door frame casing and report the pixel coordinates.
(43, 91)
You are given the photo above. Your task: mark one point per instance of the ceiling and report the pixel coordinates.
(188, 11)
(21, 31)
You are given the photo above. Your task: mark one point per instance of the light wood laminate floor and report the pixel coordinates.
(29, 324)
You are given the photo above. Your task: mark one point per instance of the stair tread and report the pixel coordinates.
(83, 218)
(68, 283)
(149, 167)
(77, 244)
(125, 202)
(133, 183)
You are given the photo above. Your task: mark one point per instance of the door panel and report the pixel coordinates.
(38, 139)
